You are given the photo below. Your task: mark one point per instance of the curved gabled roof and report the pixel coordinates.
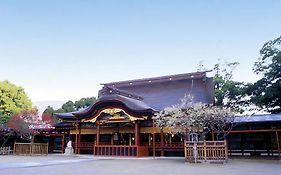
(67, 115)
(131, 105)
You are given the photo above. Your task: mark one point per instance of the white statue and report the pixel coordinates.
(69, 143)
(69, 150)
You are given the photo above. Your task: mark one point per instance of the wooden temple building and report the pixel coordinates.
(120, 122)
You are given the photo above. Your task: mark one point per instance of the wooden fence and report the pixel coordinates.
(31, 148)
(5, 150)
(120, 150)
(206, 151)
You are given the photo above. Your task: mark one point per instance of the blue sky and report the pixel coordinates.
(63, 49)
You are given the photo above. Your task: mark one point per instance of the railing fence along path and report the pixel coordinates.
(31, 148)
(120, 150)
(5, 150)
(206, 151)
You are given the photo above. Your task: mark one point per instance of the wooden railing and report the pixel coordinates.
(179, 145)
(5, 150)
(120, 150)
(206, 151)
(31, 148)
(86, 145)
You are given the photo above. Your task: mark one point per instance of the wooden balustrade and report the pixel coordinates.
(206, 151)
(106, 149)
(120, 150)
(179, 145)
(31, 148)
(86, 145)
(5, 150)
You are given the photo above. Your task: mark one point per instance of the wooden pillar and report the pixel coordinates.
(170, 136)
(153, 138)
(278, 144)
(137, 134)
(98, 135)
(226, 150)
(62, 143)
(162, 142)
(205, 151)
(79, 138)
(242, 143)
(111, 139)
(76, 138)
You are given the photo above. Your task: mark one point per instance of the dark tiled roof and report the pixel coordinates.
(67, 115)
(63, 125)
(115, 100)
(258, 118)
(151, 94)
(161, 94)
(184, 76)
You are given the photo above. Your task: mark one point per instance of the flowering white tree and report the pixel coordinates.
(189, 117)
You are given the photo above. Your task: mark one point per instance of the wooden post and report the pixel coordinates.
(76, 138)
(47, 148)
(79, 138)
(62, 143)
(162, 142)
(278, 144)
(15, 149)
(98, 135)
(226, 150)
(185, 149)
(137, 134)
(30, 148)
(153, 138)
(242, 143)
(205, 151)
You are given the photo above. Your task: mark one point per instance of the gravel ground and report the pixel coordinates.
(89, 165)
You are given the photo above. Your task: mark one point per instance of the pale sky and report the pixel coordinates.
(63, 49)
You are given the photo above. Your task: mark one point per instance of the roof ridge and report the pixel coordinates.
(160, 78)
(113, 90)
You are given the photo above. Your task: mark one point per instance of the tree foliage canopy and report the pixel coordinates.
(228, 92)
(71, 106)
(13, 99)
(265, 93)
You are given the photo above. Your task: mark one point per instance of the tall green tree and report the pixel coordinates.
(49, 110)
(3, 118)
(84, 102)
(228, 93)
(71, 106)
(266, 92)
(68, 106)
(13, 99)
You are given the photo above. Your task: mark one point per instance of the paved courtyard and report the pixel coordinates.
(89, 165)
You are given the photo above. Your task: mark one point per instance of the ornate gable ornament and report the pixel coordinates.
(113, 115)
